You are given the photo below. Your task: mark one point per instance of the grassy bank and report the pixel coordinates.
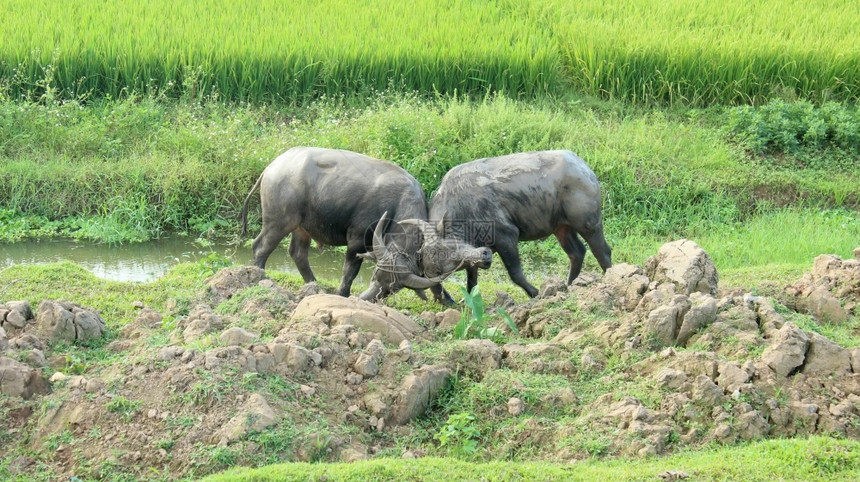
(638, 51)
(138, 169)
(812, 459)
(507, 447)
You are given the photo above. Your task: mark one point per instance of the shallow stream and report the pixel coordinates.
(147, 261)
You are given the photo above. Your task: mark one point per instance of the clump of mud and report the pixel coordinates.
(253, 373)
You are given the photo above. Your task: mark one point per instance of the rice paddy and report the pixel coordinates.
(652, 53)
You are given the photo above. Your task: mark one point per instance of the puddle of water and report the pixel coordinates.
(144, 262)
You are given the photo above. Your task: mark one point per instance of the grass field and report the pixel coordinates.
(813, 459)
(645, 52)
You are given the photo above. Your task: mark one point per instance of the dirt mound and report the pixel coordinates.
(831, 292)
(251, 375)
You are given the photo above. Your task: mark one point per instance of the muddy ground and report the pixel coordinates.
(641, 361)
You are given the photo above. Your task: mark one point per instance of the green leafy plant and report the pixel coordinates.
(165, 443)
(796, 128)
(75, 365)
(212, 262)
(459, 434)
(475, 322)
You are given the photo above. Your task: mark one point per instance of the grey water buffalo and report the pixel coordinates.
(497, 202)
(340, 198)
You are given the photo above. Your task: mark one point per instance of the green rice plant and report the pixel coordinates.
(269, 50)
(731, 52)
(646, 52)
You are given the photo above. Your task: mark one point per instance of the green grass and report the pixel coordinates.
(703, 53)
(138, 169)
(113, 300)
(773, 240)
(269, 50)
(124, 407)
(816, 458)
(141, 168)
(645, 52)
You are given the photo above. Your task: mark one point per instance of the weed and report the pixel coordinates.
(279, 386)
(121, 405)
(459, 434)
(209, 387)
(53, 441)
(181, 421)
(474, 323)
(276, 443)
(595, 447)
(223, 457)
(75, 366)
(204, 343)
(798, 129)
(212, 263)
(165, 444)
(158, 339)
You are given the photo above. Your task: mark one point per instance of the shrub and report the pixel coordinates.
(795, 127)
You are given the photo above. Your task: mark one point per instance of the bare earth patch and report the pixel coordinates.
(641, 361)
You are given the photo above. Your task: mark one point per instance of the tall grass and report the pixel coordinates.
(268, 49)
(160, 167)
(701, 53)
(673, 51)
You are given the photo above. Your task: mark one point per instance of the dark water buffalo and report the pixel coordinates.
(339, 198)
(499, 201)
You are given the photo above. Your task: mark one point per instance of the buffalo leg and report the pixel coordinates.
(267, 241)
(599, 248)
(300, 244)
(574, 248)
(441, 295)
(471, 279)
(351, 266)
(511, 257)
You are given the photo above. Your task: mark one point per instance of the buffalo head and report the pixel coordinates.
(418, 257)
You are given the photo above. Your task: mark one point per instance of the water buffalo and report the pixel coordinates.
(339, 198)
(499, 201)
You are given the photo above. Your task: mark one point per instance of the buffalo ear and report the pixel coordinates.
(427, 230)
(367, 255)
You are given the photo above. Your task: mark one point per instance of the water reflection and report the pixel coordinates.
(147, 261)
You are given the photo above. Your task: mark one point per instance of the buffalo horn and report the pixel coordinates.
(379, 247)
(419, 282)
